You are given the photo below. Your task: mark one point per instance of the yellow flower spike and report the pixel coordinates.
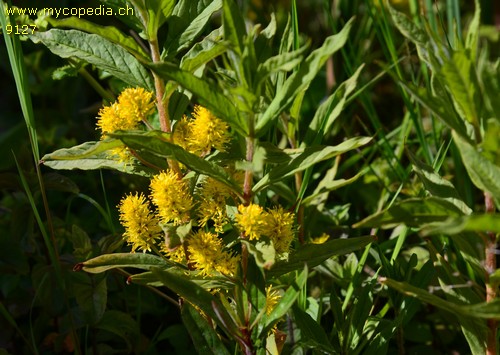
(207, 254)
(110, 120)
(136, 104)
(171, 196)
(182, 132)
(252, 220)
(272, 299)
(141, 227)
(207, 131)
(280, 229)
(212, 204)
(177, 255)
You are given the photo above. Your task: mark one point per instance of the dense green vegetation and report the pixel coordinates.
(221, 176)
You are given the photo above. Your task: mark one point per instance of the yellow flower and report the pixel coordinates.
(110, 120)
(207, 254)
(182, 132)
(207, 131)
(177, 254)
(171, 196)
(272, 299)
(280, 229)
(136, 104)
(141, 227)
(252, 220)
(212, 204)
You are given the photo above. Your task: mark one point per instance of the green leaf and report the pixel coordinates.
(158, 12)
(281, 62)
(205, 338)
(310, 157)
(436, 185)
(459, 75)
(330, 109)
(188, 20)
(413, 212)
(202, 53)
(473, 31)
(408, 28)
(110, 33)
(94, 155)
(300, 80)
(490, 146)
(156, 142)
(234, 26)
(263, 252)
(437, 105)
(120, 260)
(208, 283)
(200, 298)
(208, 93)
(324, 187)
(311, 331)
(470, 223)
(286, 301)
(98, 51)
(483, 310)
(483, 173)
(315, 254)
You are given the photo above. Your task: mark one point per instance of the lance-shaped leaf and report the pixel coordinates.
(483, 310)
(413, 212)
(188, 20)
(111, 33)
(281, 62)
(208, 283)
(92, 156)
(205, 338)
(156, 142)
(330, 109)
(208, 93)
(310, 157)
(470, 223)
(483, 173)
(437, 185)
(315, 254)
(460, 77)
(199, 297)
(286, 301)
(300, 80)
(436, 105)
(96, 50)
(121, 260)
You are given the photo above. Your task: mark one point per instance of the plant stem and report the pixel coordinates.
(247, 198)
(160, 99)
(159, 88)
(491, 265)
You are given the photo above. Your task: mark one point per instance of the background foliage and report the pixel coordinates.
(420, 78)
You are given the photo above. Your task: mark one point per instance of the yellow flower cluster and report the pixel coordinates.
(212, 204)
(202, 133)
(141, 226)
(207, 254)
(277, 224)
(133, 106)
(170, 193)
